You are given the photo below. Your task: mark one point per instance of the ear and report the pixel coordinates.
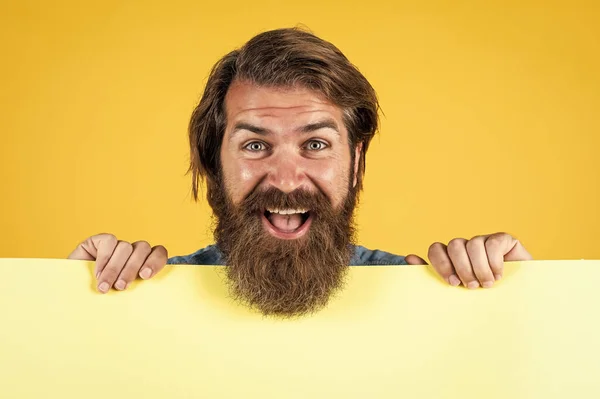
(357, 152)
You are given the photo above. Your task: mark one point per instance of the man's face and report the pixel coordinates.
(289, 139)
(286, 198)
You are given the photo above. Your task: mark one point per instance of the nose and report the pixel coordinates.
(287, 172)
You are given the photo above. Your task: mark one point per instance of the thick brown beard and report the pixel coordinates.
(284, 278)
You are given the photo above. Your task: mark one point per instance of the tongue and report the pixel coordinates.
(286, 223)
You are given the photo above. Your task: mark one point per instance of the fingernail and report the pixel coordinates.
(453, 280)
(120, 285)
(498, 277)
(472, 285)
(487, 284)
(146, 273)
(103, 287)
(97, 275)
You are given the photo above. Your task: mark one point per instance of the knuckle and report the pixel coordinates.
(143, 246)
(125, 246)
(436, 252)
(500, 237)
(472, 244)
(476, 239)
(436, 247)
(110, 238)
(456, 244)
(110, 274)
(493, 242)
(162, 251)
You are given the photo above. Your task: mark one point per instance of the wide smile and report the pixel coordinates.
(287, 224)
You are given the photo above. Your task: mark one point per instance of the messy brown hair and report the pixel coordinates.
(281, 58)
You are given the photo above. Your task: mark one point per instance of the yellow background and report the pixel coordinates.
(394, 332)
(491, 118)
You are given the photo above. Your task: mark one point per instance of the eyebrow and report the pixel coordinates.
(311, 127)
(324, 124)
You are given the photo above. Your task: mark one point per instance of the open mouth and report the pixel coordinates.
(287, 223)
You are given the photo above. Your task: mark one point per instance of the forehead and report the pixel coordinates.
(248, 100)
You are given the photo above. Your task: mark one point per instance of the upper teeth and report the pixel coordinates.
(287, 211)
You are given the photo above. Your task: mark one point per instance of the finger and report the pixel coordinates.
(414, 260)
(501, 247)
(479, 260)
(517, 251)
(88, 250)
(141, 251)
(438, 256)
(115, 265)
(155, 262)
(80, 253)
(457, 252)
(100, 247)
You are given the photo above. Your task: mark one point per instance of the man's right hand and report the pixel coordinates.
(118, 263)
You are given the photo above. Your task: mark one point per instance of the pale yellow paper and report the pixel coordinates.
(394, 332)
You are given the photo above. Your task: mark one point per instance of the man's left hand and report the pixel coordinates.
(477, 262)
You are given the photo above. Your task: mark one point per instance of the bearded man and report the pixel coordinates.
(280, 138)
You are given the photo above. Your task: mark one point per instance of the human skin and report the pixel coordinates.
(293, 138)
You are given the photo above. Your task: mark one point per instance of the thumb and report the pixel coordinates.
(414, 260)
(516, 252)
(98, 248)
(81, 253)
(99, 245)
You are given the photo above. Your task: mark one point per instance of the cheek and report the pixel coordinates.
(241, 179)
(332, 171)
(333, 178)
(328, 174)
(246, 175)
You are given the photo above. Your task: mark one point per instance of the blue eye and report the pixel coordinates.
(255, 146)
(315, 145)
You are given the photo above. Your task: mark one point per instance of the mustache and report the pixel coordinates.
(273, 198)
